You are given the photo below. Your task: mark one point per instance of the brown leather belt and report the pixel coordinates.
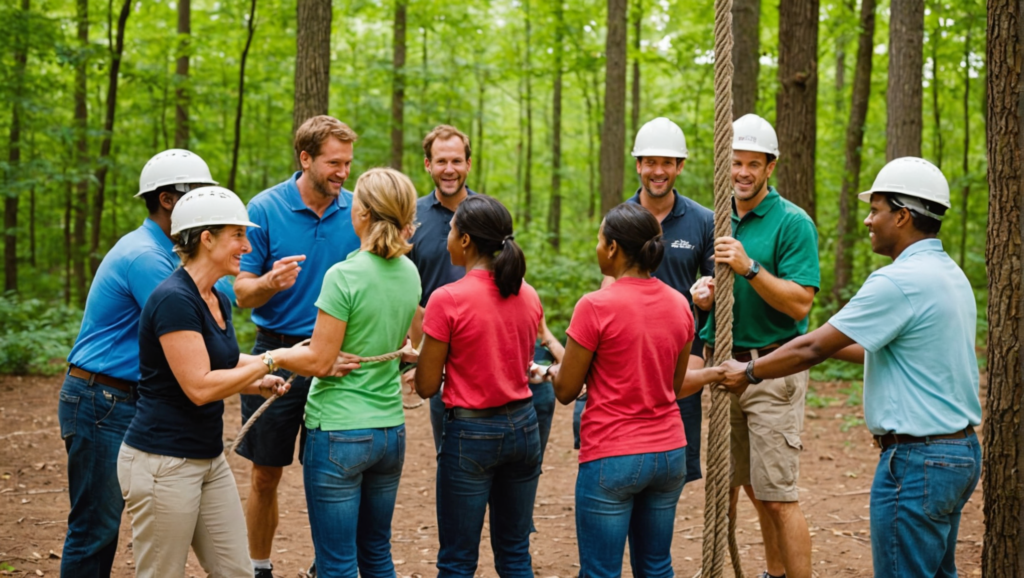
(512, 407)
(286, 339)
(121, 384)
(744, 355)
(884, 441)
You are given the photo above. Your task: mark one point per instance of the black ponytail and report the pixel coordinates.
(489, 226)
(638, 233)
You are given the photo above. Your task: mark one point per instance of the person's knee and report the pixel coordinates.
(780, 510)
(266, 478)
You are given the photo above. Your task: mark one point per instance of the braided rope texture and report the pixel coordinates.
(718, 533)
(270, 400)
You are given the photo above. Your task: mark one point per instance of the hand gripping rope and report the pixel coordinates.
(256, 415)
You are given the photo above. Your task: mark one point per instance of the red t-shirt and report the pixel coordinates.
(490, 340)
(637, 329)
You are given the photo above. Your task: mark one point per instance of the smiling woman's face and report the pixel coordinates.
(227, 247)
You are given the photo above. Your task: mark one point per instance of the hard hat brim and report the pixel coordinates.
(225, 222)
(155, 186)
(756, 149)
(659, 153)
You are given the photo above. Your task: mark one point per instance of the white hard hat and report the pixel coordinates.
(753, 133)
(660, 138)
(912, 180)
(174, 167)
(209, 206)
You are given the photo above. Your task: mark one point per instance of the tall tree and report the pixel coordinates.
(847, 223)
(312, 60)
(251, 27)
(746, 55)
(1003, 484)
(638, 20)
(965, 192)
(116, 48)
(181, 92)
(528, 162)
(797, 101)
(903, 99)
(21, 43)
(937, 130)
(555, 208)
(398, 85)
(613, 130)
(76, 245)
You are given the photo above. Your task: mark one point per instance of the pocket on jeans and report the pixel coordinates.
(479, 451)
(67, 413)
(946, 480)
(620, 473)
(349, 451)
(532, 435)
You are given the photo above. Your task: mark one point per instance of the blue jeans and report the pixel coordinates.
(93, 419)
(496, 461)
(630, 497)
(543, 404)
(577, 416)
(351, 480)
(916, 499)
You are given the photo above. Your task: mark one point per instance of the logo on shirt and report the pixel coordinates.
(681, 244)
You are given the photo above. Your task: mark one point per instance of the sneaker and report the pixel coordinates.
(265, 572)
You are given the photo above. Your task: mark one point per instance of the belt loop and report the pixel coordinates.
(92, 379)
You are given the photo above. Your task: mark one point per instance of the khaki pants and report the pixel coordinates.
(766, 424)
(179, 502)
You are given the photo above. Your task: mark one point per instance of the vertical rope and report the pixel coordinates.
(718, 534)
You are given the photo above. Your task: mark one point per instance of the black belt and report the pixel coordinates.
(508, 408)
(744, 355)
(286, 339)
(884, 441)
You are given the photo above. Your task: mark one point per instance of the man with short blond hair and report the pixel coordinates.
(305, 226)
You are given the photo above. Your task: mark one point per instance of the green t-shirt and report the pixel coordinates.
(783, 239)
(377, 299)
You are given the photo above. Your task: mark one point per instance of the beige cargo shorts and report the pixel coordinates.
(766, 424)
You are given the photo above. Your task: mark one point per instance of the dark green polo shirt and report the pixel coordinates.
(783, 239)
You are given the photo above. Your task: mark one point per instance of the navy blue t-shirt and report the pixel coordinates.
(166, 421)
(430, 246)
(689, 233)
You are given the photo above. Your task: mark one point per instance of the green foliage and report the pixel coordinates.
(35, 336)
(835, 370)
(817, 401)
(850, 422)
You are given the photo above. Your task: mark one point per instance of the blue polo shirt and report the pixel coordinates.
(430, 246)
(916, 320)
(108, 341)
(689, 233)
(288, 227)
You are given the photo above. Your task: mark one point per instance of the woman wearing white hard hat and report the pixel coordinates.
(174, 477)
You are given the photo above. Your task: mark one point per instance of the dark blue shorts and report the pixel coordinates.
(271, 441)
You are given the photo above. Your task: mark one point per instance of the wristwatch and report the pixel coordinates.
(750, 373)
(268, 360)
(755, 268)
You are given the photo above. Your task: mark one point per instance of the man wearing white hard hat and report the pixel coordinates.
(912, 324)
(97, 398)
(773, 252)
(171, 467)
(689, 233)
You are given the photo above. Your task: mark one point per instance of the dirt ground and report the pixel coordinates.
(837, 468)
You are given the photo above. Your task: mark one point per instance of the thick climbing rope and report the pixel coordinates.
(270, 400)
(719, 530)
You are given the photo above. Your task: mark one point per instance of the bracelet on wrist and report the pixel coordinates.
(268, 360)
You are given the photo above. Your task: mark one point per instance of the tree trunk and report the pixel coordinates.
(312, 60)
(1003, 482)
(937, 142)
(251, 23)
(478, 143)
(116, 50)
(638, 19)
(81, 201)
(398, 86)
(613, 130)
(966, 191)
(14, 159)
(591, 122)
(528, 163)
(555, 209)
(903, 100)
(746, 55)
(847, 225)
(181, 93)
(796, 101)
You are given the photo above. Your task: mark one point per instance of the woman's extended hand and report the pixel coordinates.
(268, 386)
(344, 363)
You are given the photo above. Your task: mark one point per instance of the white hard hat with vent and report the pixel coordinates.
(660, 138)
(912, 180)
(209, 206)
(753, 133)
(174, 167)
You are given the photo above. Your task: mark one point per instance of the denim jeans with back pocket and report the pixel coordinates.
(917, 496)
